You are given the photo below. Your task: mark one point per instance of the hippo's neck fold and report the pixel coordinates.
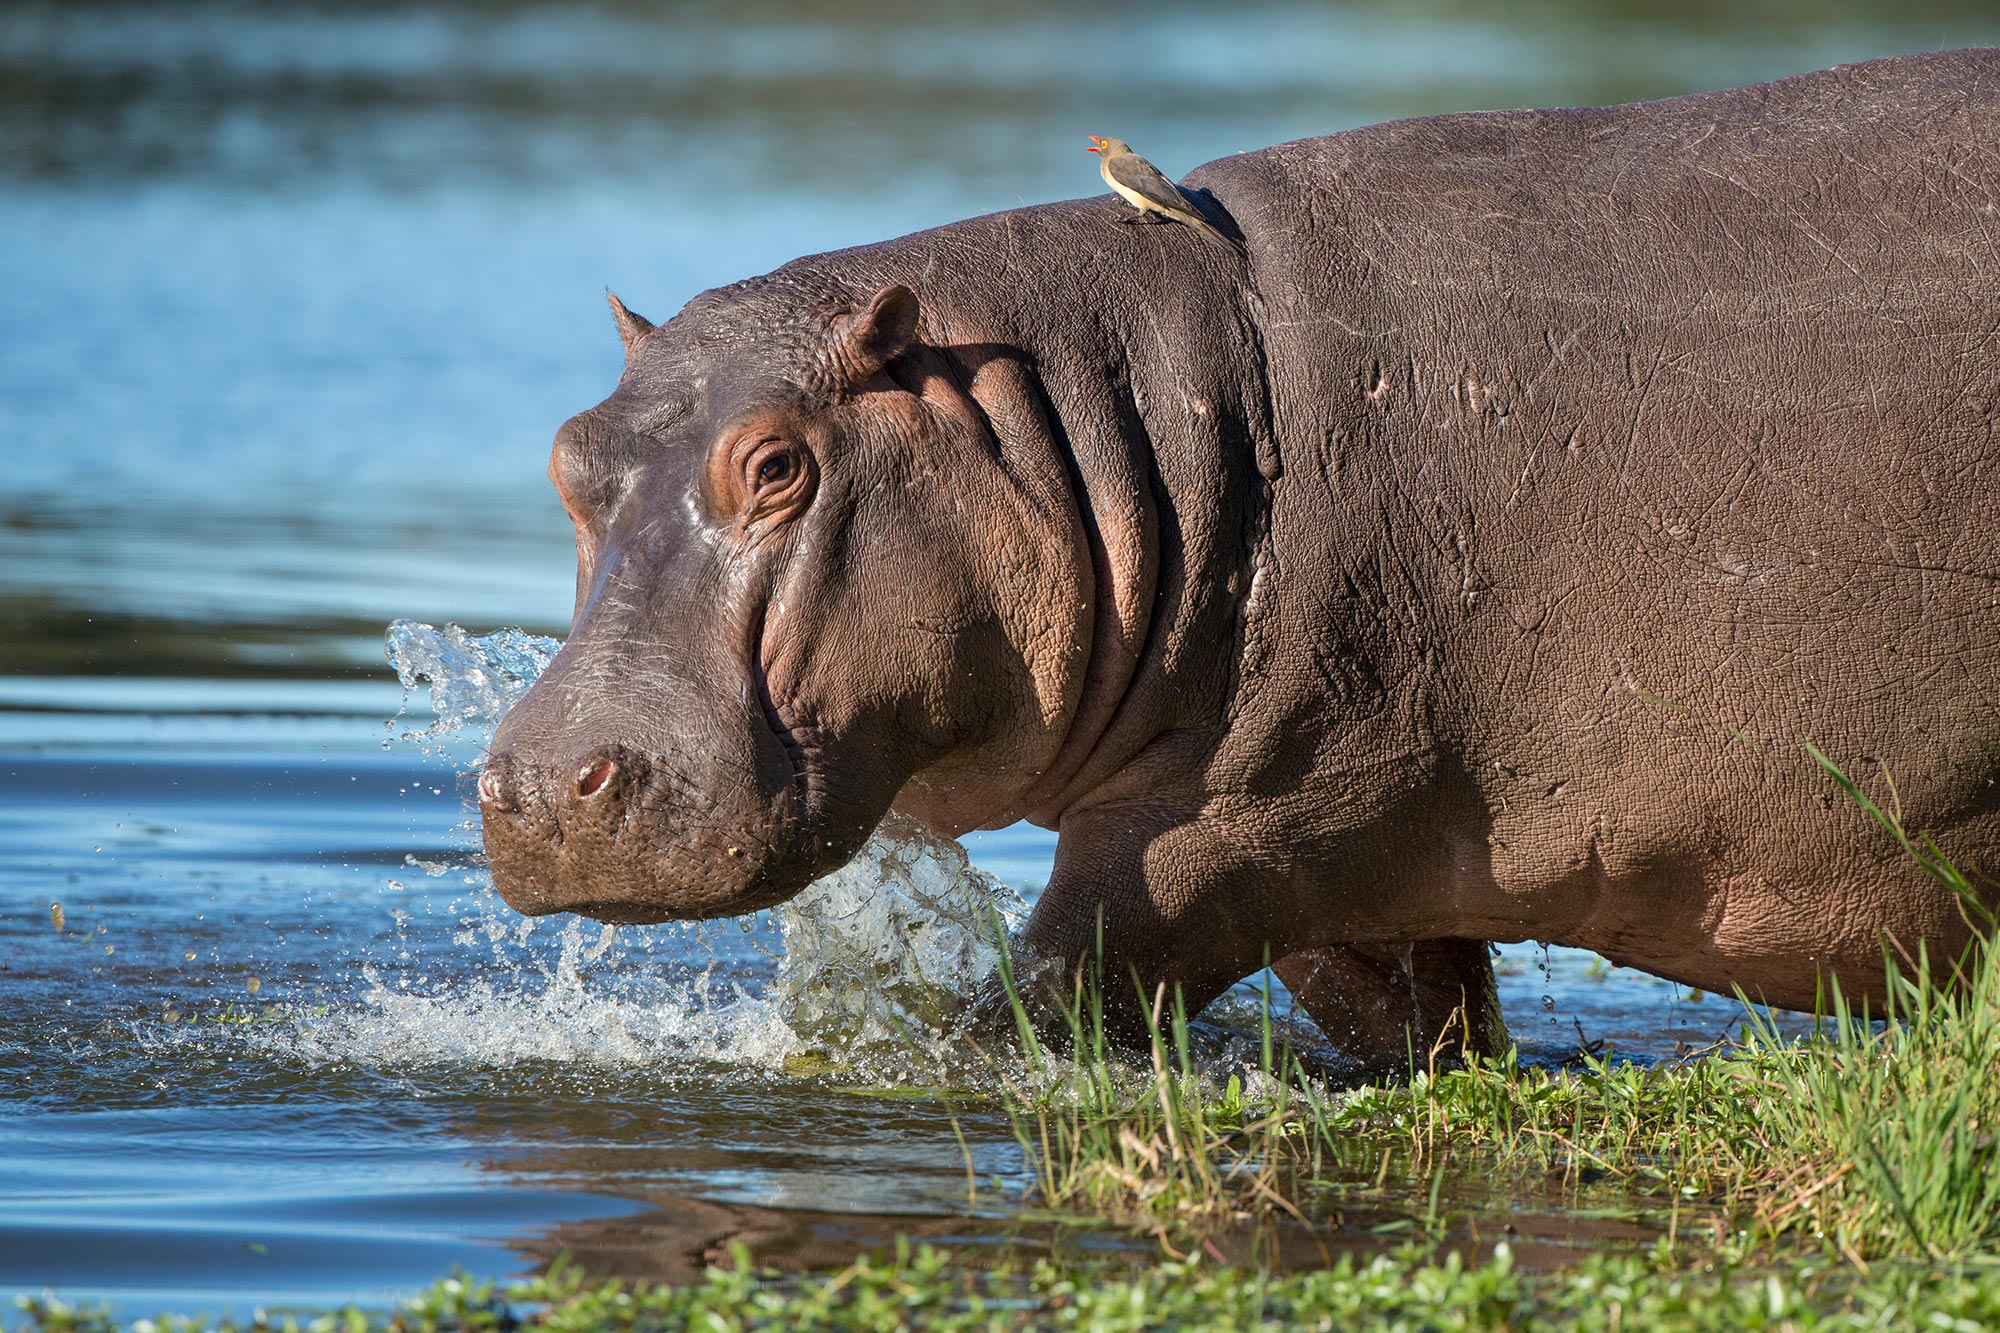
(1110, 463)
(1126, 362)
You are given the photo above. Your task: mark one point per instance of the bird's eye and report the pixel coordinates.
(775, 470)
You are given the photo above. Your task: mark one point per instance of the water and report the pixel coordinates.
(293, 300)
(285, 1045)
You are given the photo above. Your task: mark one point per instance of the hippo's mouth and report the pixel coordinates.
(612, 913)
(637, 832)
(799, 783)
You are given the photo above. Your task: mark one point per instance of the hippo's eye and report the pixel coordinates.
(763, 478)
(775, 470)
(772, 469)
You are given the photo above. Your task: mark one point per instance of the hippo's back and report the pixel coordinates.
(1670, 428)
(1877, 181)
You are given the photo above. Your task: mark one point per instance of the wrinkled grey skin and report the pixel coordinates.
(1474, 561)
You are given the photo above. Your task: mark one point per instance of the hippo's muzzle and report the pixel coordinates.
(618, 834)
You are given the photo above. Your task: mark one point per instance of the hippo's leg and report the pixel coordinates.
(1383, 1003)
(1140, 897)
(1146, 895)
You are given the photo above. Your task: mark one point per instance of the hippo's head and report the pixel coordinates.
(807, 586)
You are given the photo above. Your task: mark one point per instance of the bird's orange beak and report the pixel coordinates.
(1095, 144)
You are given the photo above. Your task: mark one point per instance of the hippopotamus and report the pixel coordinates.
(1474, 557)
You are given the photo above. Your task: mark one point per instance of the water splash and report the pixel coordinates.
(893, 943)
(541, 1013)
(472, 680)
(876, 957)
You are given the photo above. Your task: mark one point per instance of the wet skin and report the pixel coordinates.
(1473, 560)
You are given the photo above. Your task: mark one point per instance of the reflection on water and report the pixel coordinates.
(295, 297)
(740, 96)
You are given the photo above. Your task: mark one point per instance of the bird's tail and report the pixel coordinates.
(1217, 237)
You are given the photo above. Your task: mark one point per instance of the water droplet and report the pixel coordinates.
(471, 679)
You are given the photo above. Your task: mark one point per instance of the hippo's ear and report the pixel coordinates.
(864, 341)
(631, 327)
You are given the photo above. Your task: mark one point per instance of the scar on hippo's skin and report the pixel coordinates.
(594, 778)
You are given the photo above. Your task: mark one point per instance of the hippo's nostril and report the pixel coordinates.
(595, 777)
(495, 788)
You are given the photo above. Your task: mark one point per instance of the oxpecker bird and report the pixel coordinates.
(1140, 184)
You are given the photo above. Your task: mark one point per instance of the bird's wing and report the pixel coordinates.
(1142, 178)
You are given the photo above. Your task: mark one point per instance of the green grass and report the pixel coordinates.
(924, 1289)
(1873, 1139)
(1150, 1146)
